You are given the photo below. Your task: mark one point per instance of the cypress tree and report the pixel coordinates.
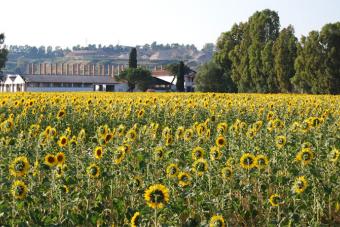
(180, 77)
(133, 58)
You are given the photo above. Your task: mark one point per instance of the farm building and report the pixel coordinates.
(15, 82)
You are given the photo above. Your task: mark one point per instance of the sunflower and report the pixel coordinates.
(172, 170)
(119, 156)
(220, 141)
(247, 161)
(50, 160)
(98, 152)
(274, 200)
(226, 172)
(300, 184)
(334, 155)
(215, 153)
(140, 113)
(64, 189)
(136, 182)
(131, 135)
(197, 153)
(305, 156)
(93, 171)
(19, 189)
(158, 153)
(230, 162)
(136, 219)
(108, 137)
(156, 196)
(184, 179)
(169, 140)
(280, 141)
(261, 161)
(19, 166)
(179, 133)
(60, 157)
(222, 128)
(126, 147)
(188, 134)
(59, 170)
(216, 221)
(62, 142)
(61, 114)
(200, 166)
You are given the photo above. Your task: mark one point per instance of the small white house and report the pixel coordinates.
(12, 83)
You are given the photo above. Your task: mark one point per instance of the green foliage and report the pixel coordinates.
(285, 51)
(133, 58)
(212, 78)
(174, 70)
(180, 77)
(3, 52)
(139, 77)
(318, 62)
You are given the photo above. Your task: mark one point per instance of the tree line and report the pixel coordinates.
(256, 56)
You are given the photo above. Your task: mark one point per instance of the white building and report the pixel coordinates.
(165, 75)
(15, 83)
(12, 83)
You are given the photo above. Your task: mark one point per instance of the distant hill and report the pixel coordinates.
(152, 55)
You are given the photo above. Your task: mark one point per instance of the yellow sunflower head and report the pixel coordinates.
(93, 171)
(280, 141)
(172, 170)
(158, 153)
(220, 141)
(247, 161)
(184, 179)
(19, 166)
(275, 200)
(300, 184)
(119, 155)
(334, 155)
(200, 166)
(305, 156)
(215, 153)
(61, 114)
(60, 157)
(197, 153)
(180, 133)
(156, 196)
(50, 160)
(98, 152)
(188, 133)
(62, 142)
(136, 219)
(261, 161)
(19, 189)
(217, 221)
(227, 173)
(131, 135)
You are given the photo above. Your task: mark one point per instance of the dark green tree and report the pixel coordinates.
(3, 52)
(212, 78)
(139, 77)
(264, 28)
(174, 70)
(136, 76)
(317, 64)
(285, 51)
(133, 58)
(180, 77)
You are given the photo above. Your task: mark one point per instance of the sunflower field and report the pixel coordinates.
(172, 159)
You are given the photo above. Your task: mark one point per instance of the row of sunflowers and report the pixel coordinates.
(174, 159)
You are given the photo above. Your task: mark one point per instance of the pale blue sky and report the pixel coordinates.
(136, 22)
